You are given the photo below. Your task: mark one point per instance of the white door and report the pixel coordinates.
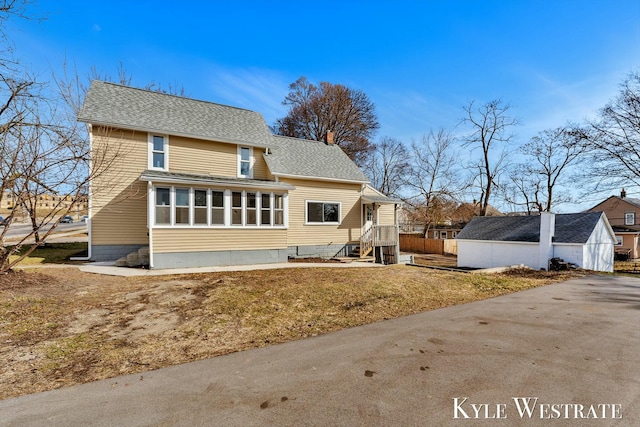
(369, 217)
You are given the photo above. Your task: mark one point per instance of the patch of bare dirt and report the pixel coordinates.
(60, 326)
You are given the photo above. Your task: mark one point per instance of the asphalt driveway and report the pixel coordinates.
(574, 346)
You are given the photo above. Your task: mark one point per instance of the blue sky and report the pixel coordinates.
(418, 61)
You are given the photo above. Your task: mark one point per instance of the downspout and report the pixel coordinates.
(89, 203)
(149, 221)
(395, 222)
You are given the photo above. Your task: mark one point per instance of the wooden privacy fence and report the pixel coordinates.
(416, 243)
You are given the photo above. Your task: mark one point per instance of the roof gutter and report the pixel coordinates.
(167, 132)
(319, 178)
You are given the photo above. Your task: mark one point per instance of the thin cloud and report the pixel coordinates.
(254, 89)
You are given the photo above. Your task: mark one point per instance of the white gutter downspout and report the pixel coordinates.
(150, 220)
(90, 197)
(547, 234)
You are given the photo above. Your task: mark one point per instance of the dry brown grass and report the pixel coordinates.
(60, 327)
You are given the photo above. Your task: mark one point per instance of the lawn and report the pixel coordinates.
(52, 253)
(59, 326)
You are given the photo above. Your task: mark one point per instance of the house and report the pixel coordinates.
(453, 219)
(585, 239)
(203, 184)
(624, 215)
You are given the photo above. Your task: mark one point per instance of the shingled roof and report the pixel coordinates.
(295, 157)
(130, 108)
(569, 228)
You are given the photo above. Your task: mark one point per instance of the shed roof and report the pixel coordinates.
(295, 157)
(115, 105)
(569, 228)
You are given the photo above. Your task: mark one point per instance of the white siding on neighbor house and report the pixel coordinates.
(487, 254)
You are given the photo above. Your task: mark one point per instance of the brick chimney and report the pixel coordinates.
(623, 194)
(329, 138)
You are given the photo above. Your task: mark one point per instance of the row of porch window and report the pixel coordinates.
(190, 206)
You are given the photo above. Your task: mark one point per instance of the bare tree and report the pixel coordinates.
(549, 157)
(615, 139)
(43, 150)
(491, 132)
(316, 110)
(389, 166)
(434, 178)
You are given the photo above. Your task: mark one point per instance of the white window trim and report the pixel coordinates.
(227, 194)
(165, 148)
(619, 241)
(251, 162)
(306, 212)
(631, 215)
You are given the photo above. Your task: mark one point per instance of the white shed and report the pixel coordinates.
(585, 239)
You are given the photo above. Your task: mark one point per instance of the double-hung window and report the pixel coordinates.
(278, 209)
(252, 213)
(200, 207)
(217, 207)
(236, 208)
(630, 218)
(158, 151)
(323, 212)
(163, 206)
(245, 155)
(265, 208)
(182, 206)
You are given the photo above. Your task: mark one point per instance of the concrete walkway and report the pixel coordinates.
(575, 343)
(110, 269)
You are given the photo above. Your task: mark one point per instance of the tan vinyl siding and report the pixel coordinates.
(202, 157)
(387, 215)
(260, 169)
(210, 158)
(166, 240)
(119, 199)
(349, 197)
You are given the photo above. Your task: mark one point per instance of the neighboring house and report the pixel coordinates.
(454, 220)
(204, 184)
(624, 215)
(585, 239)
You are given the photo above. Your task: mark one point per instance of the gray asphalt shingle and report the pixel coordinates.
(131, 108)
(121, 106)
(570, 228)
(301, 157)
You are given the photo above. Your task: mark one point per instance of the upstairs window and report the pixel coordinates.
(158, 152)
(630, 218)
(245, 155)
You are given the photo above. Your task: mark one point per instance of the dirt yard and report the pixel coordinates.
(59, 326)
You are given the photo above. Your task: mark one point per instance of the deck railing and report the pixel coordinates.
(378, 235)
